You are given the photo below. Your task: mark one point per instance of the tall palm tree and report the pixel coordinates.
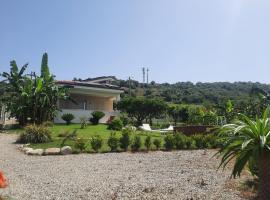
(248, 140)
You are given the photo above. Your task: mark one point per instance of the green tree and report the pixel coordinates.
(154, 108)
(31, 96)
(195, 114)
(246, 141)
(141, 108)
(178, 113)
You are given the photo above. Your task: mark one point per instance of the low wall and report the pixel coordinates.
(82, 113)
(194, 129)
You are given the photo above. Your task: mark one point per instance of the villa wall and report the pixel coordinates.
(85, 102)
(78, 113)
(84, 106)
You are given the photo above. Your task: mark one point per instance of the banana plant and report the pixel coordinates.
(31, 96)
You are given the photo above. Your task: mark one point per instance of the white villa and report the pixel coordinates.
(97, 94)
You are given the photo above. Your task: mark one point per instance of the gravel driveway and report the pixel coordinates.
(157, 175)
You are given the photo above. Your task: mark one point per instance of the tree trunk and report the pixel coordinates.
(264, 175)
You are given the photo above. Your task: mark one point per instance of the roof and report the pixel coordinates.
(89, 84)
(100, 79)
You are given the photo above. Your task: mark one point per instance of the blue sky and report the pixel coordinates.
(178, 40)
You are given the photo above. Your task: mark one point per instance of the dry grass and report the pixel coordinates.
(246, 186)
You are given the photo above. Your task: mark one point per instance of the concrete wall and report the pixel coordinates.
(82, 113)
(85, 102)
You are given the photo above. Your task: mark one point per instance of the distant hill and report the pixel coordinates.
(190, 93)
(199, 93)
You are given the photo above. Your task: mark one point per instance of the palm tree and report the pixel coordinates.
(246, 141)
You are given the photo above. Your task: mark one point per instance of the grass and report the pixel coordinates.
(86, 134)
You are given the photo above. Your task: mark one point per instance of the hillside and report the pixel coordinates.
(199, 93)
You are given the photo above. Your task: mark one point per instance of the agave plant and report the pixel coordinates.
(248, 141)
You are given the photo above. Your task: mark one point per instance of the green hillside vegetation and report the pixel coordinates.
(208, 94)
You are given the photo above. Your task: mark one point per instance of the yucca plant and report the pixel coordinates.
(247, 141)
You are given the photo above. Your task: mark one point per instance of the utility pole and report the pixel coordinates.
(147, 75)
(129, 85)
(143, 71)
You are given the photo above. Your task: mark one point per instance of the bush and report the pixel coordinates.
(125, 119)
(189, 143)
(157, 143)
(148, 142)
(169, 142)
(48, 124)
(200, 141)
(83, 121)
(96, 143)
(125, 139)
(211, 141)
(35, 134)
(68, 117)
(80, 144)
(180, 141)
(68, 136)
(116, 125)
(96, 116)
(63, 134)
(136, 144)
(113, 142)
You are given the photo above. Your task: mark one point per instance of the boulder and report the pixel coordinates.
(25, 149)
(20, 147)
(35, 152)
(52, 151)
(66, 150)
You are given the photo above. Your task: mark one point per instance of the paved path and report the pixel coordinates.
(156, 175)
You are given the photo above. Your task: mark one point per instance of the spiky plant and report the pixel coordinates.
(248, 140)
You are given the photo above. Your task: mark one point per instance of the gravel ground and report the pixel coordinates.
(181, 175)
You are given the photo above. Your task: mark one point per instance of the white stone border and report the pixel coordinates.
(45, 152)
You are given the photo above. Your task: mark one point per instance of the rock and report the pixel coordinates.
(20, 147)
(35, 152)
(52, 151)
(25, 149)
(66, 150)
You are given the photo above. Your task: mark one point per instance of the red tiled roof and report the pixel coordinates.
(87, 84)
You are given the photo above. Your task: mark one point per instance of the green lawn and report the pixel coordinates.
(86, 134)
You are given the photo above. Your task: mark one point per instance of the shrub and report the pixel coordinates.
(125, 119)
(169, 142)
(200, 141)
(83, 121)
(148, 142)
(136, 144)
(68, 136)
(75, 151)
(189, 143)
(180, 141)
(80, 144)
(116, 125)
(157, 143)
(96, 143)
(48, 124)
(63, 134)
(211, 141)
(125, 139)
(96, 116)
(68, 117)
(164, 125)
(113, 142)
(35, 134)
